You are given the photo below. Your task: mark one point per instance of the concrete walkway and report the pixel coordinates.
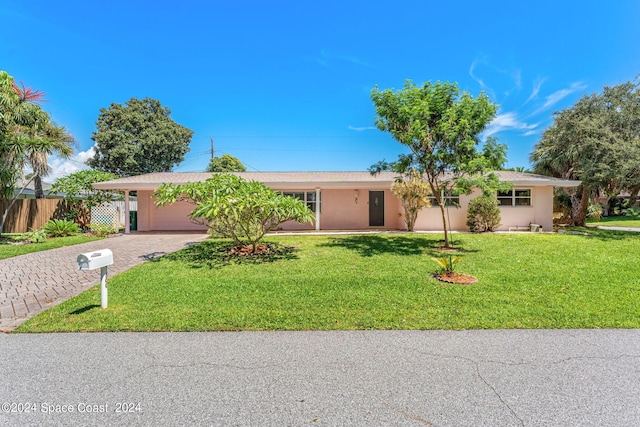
(34, 282)
(344, 378)
(607, 227)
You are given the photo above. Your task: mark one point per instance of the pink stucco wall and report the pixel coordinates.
(166, 218)
(341, 211)
(540, 212)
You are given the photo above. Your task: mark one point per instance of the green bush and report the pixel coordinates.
(60, 228)
(36, 236)
(595, 212)
(483, 214)
(100, 229)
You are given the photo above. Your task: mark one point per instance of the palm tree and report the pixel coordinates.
(59, 143)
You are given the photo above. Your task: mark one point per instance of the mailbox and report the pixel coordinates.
(98, 259)
(95, 259)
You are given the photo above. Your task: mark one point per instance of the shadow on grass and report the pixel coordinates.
(215, 254)
(83, 309)
(370, 245)
(596, 233)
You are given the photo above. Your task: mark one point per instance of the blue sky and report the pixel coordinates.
(284, 85)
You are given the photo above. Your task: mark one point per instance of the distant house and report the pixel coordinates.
(348, 200)
(30, 192)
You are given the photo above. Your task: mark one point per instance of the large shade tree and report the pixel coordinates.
(596, 141)
(226, 163)
(440, 125)
(138, 137)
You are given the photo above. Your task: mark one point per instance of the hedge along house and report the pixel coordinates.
(346, 200)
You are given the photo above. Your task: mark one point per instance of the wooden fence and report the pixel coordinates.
(27, 214)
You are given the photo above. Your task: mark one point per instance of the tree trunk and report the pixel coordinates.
(444, 223)
(633, 195)
(37, 185)
(580, 208)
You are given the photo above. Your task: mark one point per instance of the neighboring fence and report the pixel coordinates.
(27, 214)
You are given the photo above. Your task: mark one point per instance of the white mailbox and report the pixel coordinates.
(95, 259)
(98, 259)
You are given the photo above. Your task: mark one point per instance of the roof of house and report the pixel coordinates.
(309, 180)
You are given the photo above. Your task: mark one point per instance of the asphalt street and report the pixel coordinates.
(360, 378)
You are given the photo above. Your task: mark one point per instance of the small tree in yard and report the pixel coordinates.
(483, 214)
(81, 195)
(440, 125)
(413, 193)
(231, 207)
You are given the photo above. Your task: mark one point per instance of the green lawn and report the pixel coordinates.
(9, 249)
(579, 279)
(617, 221)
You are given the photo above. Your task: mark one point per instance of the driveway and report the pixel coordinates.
(344, 378)
(31, 283)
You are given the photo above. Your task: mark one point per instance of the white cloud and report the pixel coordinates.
(63, 167)
(472, 69)
(508, 121)
(537, 85)
(559, 95)
(360, 129)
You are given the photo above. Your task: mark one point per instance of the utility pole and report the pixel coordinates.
(212, 150)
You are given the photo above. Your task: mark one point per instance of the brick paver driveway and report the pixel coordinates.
(34, 282)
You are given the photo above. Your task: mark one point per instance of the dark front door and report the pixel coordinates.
(376, 208)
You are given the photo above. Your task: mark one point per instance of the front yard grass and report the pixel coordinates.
(581, 279)
(9, 248)
(617, 221)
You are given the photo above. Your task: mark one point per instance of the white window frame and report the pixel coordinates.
(511, 195)
(308, 197)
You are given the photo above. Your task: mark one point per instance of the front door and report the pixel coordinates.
(376, 208)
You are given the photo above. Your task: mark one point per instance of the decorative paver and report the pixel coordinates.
(31, 283)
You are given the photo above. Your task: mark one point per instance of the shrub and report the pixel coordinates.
(101, 229)
(595, 212)
(60, 228)
(483, 214)
(36, 236)
(234, 208)
(413, 193)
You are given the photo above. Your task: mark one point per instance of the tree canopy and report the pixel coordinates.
(138, 137)
(440, 125)
(226, 163)
(596, 141)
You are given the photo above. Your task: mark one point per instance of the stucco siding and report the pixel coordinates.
(172, 217)
(342, 210)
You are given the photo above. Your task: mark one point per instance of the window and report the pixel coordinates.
(515, 197)
(451, 198)
(309, 197)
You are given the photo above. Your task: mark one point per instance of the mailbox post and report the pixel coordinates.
(98, 259)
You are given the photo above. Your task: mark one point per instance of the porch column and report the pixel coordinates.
(127, 225)
(317, 209)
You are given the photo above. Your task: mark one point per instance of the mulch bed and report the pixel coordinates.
(261, 249)
(457, 278)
